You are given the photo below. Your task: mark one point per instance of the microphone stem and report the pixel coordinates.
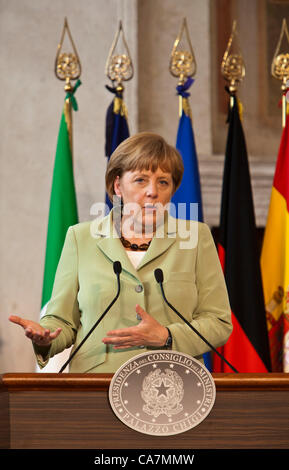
(196, 331)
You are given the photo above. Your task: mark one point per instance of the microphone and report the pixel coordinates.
(117, 269)
(160, 279)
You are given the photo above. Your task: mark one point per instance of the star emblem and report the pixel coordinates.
(162, 389)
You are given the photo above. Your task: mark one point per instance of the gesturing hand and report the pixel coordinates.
(149, 332)
(39, 335)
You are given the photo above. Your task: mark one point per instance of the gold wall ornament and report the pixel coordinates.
(119, 67)
(233, 66)
(183, 63)
(67, 64)
(280, 68)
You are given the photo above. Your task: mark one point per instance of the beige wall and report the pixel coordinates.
(31, 102)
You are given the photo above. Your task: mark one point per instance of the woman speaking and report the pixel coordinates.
(142, 174)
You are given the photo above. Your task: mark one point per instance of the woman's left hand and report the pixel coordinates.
(149, 332)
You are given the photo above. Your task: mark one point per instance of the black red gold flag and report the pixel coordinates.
(247, 348)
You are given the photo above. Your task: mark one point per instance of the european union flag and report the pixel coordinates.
(190, 188)
(116, 126)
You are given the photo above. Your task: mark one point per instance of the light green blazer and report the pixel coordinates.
(85, 284)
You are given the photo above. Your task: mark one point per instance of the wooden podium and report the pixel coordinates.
(72, 411)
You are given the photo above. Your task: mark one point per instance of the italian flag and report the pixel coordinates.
(62, 214)
(63, 207)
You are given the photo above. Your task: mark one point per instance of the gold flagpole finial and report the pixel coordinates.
(119, 67)
(280, 68)
(182, 61)
(232, 67)
(67, 64)
(67, 67)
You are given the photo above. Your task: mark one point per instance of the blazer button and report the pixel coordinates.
(139, 288)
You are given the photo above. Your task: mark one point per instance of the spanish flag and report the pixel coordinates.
(275, 260)
(248, 347)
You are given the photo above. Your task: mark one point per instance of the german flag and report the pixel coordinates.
(247, 348)
(275, 260)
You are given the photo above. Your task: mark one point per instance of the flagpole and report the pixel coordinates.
(63, 205)
(183, 66)
(274, 255)
(68, 118)
(247, 348)
(280, 69)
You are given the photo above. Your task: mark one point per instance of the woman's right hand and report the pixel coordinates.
(39, 335)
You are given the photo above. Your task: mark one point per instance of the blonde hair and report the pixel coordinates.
(144, 151)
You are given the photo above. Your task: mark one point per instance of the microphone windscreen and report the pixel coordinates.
(159, 275)
(117, 267)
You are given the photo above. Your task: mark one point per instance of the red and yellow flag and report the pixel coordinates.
(275, 260)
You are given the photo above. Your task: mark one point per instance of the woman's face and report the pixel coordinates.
(144, 193)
